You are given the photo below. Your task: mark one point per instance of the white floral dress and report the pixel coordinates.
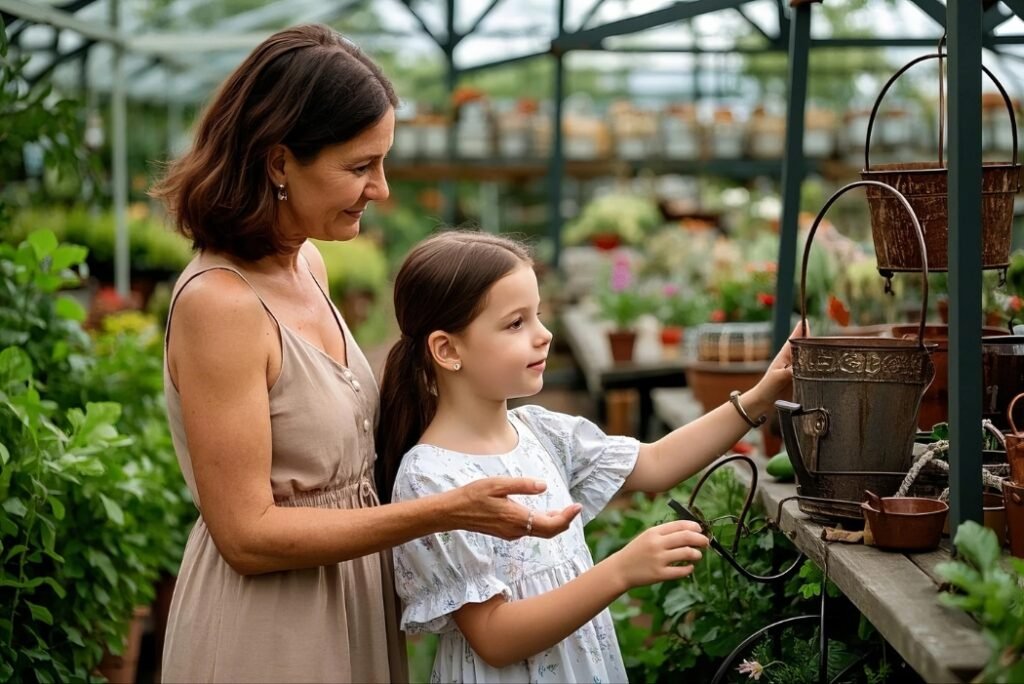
(438, 574)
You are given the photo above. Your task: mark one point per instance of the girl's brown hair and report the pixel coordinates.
(442, 285)
(305, 87)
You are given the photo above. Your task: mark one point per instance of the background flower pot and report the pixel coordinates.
(671, 341)
(621, 343)
(121, 669)
(935, 402)
(711, 382)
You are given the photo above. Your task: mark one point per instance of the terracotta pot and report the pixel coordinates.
(1013, 499)
(712, 382)
(122, 669)
(622, 342)
(606, 241)
(671, 335)
(935, 402)
(161, 612)
(993, 516)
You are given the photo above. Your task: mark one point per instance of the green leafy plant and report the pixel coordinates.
(620, 300)
(748, 298)
(991, 589)
(626, 217)
(682, 309)
(93, 507)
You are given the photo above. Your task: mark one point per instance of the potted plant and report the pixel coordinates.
(621, 304)
(612, 220)
(678, 310)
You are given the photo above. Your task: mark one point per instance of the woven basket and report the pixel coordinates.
(734, 342)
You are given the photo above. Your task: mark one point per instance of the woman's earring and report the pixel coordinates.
(456, 366)
(282, 194)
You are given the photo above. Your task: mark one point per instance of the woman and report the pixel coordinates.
(287, 575)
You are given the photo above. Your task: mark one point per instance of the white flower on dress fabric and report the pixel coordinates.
(751, 668)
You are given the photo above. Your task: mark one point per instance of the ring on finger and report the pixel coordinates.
(529, 523)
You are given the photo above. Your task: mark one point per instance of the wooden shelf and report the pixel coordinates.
(526, 169)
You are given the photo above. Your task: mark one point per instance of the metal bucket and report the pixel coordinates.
(1002, 373)
(1015, 446)
(861, 396)
(925, 186)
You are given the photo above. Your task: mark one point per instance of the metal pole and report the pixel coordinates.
(448, 186)
(792, 168)
(119, 151)
(556, 168)
(963, 19)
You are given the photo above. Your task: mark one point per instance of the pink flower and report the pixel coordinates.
(751, 668)
(670, 290)
(622, 275)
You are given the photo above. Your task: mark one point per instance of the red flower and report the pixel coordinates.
(1016, 303)
(718, 316)
(766, 299)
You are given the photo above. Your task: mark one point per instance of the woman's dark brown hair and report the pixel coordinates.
(305, 87)
(442, 285)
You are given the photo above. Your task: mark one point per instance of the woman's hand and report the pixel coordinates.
(654, 555)
(484, 506)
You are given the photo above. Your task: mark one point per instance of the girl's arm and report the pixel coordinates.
(691, 448)
(220, 351)
(505, 632)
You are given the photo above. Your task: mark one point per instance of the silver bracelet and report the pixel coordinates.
(734, 399)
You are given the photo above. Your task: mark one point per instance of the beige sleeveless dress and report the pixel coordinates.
(336, 623)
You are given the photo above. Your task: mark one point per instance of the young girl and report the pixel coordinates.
(524, 609)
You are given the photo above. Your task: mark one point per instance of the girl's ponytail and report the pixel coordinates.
(407, 405)
(442, 285)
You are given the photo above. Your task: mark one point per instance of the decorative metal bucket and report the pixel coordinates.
(925, 186)
(862, 396)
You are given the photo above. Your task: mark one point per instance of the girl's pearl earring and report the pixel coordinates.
(456, 366)
(282, 194)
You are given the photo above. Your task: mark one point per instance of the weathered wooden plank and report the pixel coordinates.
(896, 594)
(675, 407)
(588, 345)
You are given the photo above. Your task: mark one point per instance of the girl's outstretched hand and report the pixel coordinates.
(484, 506)
(779, 375)
(654, 555)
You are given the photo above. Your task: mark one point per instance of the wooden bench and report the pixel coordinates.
(897, 593)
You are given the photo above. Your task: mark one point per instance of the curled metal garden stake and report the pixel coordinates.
(688, 513)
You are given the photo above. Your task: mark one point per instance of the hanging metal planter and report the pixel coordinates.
(926, 186)
(862, 397)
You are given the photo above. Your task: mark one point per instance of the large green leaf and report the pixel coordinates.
(15, 366)
(44, 242)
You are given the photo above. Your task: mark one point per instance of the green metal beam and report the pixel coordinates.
(793, 169)
(45, 14)
(59, 59)
(934, 9)
(675, 12)
(502, 62)
(964, 197)
(423, 24)
(556, 169)
(480, 19)
(590, 14)
(757, 27)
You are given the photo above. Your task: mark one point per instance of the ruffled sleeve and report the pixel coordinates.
(595, 464)
(438, 574)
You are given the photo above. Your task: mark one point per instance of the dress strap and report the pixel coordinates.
(174, 299)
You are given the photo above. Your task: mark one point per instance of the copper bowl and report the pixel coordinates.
(905, 523)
